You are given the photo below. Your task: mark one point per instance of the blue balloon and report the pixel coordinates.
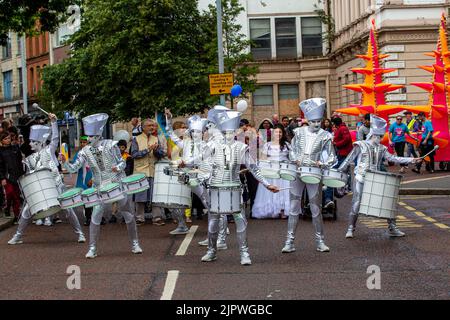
(236, 90)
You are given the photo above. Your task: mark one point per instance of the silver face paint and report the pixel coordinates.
(196, 135)
(315, 125)
(94, 140)
(36, 146)
(229, 137)
(376, 139)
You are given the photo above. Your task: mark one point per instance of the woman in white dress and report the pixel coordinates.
(267, 204)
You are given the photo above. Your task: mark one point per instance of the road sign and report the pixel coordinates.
(220, 83)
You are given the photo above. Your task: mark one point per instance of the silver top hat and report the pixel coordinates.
(228, 120)
(94, 124)
(314, 108)
(377, 126)
(40, 133)
(197, 123)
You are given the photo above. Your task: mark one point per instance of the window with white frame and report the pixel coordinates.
(260, 36)
(311, 37)
(263, 96)
(286, 38)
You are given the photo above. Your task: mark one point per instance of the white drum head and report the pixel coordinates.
(310, 180)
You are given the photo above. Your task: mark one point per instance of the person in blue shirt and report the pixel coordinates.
(84, 179)
(427, 144)
(397, 137)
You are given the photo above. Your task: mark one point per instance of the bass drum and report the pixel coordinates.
(168, 192)
(40, 192)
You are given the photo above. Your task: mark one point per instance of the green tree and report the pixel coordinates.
(21, 15)
(237, 56)
(132, 58)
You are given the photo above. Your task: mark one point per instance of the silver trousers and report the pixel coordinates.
(356, 203)
(314, 195)
(124, 207)
(26, 218)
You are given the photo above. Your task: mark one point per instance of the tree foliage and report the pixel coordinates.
(135, 57)
(23, 16)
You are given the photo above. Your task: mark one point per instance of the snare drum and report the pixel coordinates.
(269, 169)
(380, 194)
(135, 183)
(288, 170)
(111, 193)
(71, 198)
(334, 179)
(90, 197)
(40, 192)
(310, 175)
(225, 198)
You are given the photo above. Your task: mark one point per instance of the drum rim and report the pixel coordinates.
(142, 177)
(113, 185)
(384, 173)
(79, 191)
(90, 190)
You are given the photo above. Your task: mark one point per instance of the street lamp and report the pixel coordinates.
(220, 43)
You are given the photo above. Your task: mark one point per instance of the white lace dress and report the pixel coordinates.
(268, 205)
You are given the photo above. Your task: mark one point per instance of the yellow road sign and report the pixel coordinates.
(220, 83)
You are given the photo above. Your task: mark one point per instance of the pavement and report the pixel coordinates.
(414, 267)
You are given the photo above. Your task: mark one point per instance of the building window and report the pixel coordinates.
(286, 38)
(288, 92)
(19, 46)
(19, 70)
(311, 37)
(260, 36)
(7, 85)
(36, 46)
(6, 49)
(32, 82)
(263, 96)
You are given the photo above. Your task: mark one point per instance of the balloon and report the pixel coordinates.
(242, 105)
(122, 135)
(236, 90)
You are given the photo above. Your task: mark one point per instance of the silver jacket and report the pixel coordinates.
(308, 148)
(226, 163)
(46, 158)
(369, 157)
(100, 159)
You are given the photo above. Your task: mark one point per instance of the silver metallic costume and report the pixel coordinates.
(311, 147)
(369, 155)
(226, 157)
(44, 158)
(192, 157)
(104, 159)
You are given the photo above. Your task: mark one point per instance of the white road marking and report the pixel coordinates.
(187, 240)
(425, 179)
(169, 287)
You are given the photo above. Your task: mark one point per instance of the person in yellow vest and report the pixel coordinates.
(410, 123)
(146, 150)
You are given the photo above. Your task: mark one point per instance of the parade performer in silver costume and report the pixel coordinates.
(216, 136)
(311, 147)
(192, 157)
(226, 158)
(370, 155)
(104, 159)
(44, 158)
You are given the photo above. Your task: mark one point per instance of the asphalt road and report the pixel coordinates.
(413, 267)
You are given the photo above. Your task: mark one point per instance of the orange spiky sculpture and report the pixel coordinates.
(373, 89)
(439, 90)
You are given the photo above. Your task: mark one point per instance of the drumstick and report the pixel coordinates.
(434, 149)
(37, 107)
(282, 189)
